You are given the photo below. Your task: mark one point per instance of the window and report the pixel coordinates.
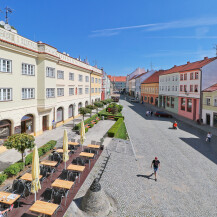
(60, 91)
(5, 65)
(176, 77)
(195, 88)
(189, 105)
(80, 90)
(71, 91)
(86, 90)
(183, 104)
(173, 88)
(172, 102)
(92, 90)
(60, 74)
(28, 69)
(168, 101)
(185, 76)
(185, 88)
(80, 77)
(99, 90)
(207, 101)
(50, 72)
(28, 93)
(191, 76)
(92, 80)
(181, 77)
(95, 80)
(162, 88)
(173, 78)
(168, 88)
(95, 90)
(87, 78)
(50, 92)
(176, 88)
(215, 102)
(71, 76)
(5, 94)
(181, 88)
(196, 75)
(191, 88)
(168, 78)
(99, 80)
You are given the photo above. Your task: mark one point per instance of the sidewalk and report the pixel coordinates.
(203, 127)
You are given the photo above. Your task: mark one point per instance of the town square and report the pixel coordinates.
(108, 109)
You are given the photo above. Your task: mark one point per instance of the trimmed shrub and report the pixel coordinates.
(28, 159)
(120, 107)
(3, 177)
(114, 129)
(91, 125)
(87, 121)
(122, 132)
(86, 129)
(96, 121)
(14, 169)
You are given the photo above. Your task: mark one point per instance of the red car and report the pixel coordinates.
(162, 114)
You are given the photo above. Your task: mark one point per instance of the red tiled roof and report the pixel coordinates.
(140, 75)
(154, 78)
(133, 77)
(190, 66)
(118, 78)
(211, 88)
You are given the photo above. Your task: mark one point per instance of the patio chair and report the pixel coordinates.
(72, 176)
(80, 161)
(98, 143)
(15, 185)
(57, 199)
(47, 195)
(72, 140)
(44, 173)
(21, 189)
(87, 150)
(93, 142)
(64, 193)
(74, 161)
(63, 175)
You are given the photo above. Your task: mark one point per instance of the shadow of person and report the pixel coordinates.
(146, 176)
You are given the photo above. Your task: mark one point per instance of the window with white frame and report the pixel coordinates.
(71, 76)
(28, 69)
(60, 74)
(50, 72)
(87, 78)
(99, 80)
(80, 90)
(5, 65)
(176, 77)
(92, 90)
(168, 88)
(215, 102)
(50, 92)
(80, 78)
(207, 101)
(162, 88)
(71, 91)
(60, 91)
(86, 90)
(92, 80)
(28, 93)
(95, 80)
(95, 90)
(173, 78)
(176, 88)
(172, 88)
(169, 78)
(5, 94)
(98, 90)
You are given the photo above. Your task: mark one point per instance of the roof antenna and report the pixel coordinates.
(215, 50)
(7, 11)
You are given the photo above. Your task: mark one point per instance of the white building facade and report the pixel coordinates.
(38, 84)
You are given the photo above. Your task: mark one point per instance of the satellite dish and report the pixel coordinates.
(2, 23)
(7, 27)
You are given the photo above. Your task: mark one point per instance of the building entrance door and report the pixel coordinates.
(208, 119)
(215, 120)
(44, 123)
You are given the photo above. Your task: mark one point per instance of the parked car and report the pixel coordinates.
(162, 114)
(134, 100)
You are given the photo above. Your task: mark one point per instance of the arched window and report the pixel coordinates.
(5, 129)
(59, 114)
(27, 124)
(70, 113)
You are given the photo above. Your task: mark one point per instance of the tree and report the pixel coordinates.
(114, 110)
(98, 105)
(83, 111)
(91, 107)
(20, 142)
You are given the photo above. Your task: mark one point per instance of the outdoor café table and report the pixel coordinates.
(28, 177)
(60, 150)
(76, 168)
(93, 146)
(73, 143)
(86, 154)
(43, 207)
(49, 163)
(8, 198)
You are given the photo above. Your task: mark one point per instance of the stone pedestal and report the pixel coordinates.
(95, 202)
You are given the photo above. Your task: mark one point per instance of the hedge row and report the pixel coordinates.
(87, 121)
(122, 132)
(115, 128)
(15, 168)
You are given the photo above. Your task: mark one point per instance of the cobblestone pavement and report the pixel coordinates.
(187, 179)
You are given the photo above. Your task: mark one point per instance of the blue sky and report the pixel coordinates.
(121, 35)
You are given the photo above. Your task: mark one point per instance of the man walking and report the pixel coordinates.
(208, 137)
(155, 163)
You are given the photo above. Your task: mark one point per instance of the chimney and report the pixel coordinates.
(205, 58)
(174, 66)
(188, 62)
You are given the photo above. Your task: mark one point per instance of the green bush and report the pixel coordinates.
(114, 129)
(87, 121)
(96, 121)
(91, 125)
(122, 132)
(86, 129)
(3, 177)
(120, 107)
(28, 159)
(14, 169)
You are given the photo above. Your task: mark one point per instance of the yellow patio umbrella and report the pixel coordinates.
(82, 133)
(65, 148)
(35, 172)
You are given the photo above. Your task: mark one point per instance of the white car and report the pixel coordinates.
(134, 100)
